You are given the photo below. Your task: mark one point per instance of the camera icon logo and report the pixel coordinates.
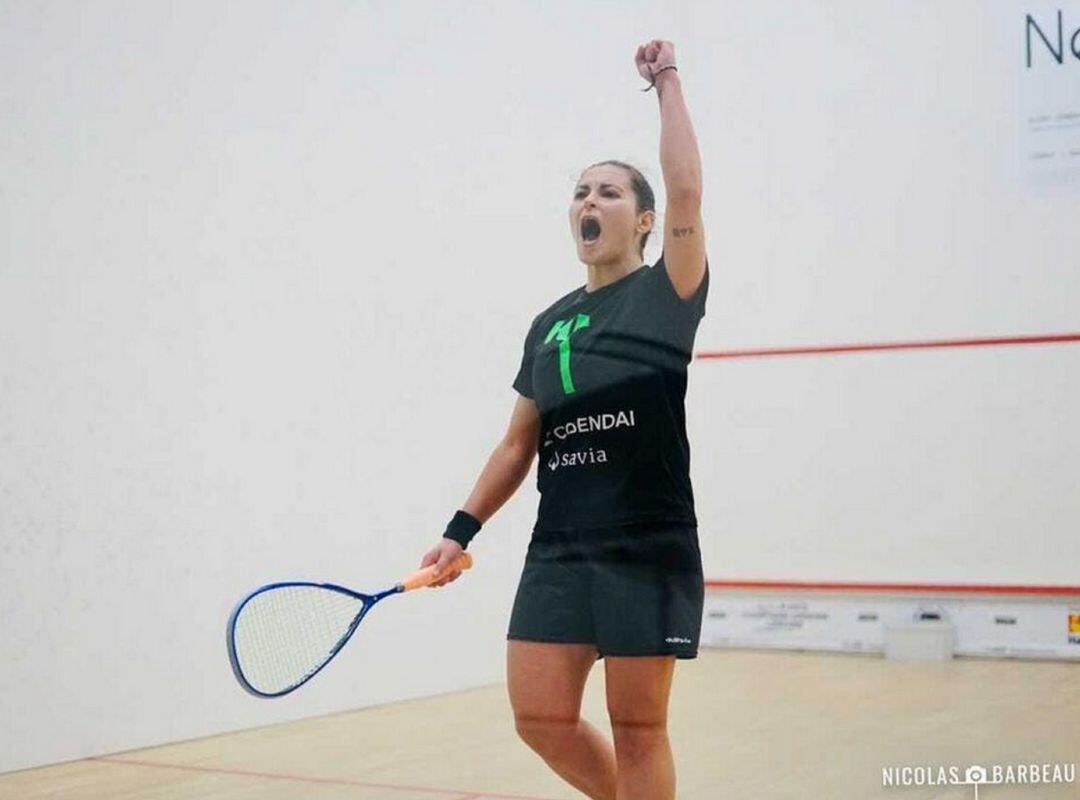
(975, 774)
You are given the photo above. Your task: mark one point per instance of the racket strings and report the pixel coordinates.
(285, 634)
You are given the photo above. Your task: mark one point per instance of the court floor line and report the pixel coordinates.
(457, 794)
(1051, 338)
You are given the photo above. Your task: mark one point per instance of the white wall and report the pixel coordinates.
(269, 267)
(870, 183)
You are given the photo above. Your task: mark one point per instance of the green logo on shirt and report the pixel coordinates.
(561, 331)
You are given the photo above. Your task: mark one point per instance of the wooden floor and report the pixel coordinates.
(744, 724)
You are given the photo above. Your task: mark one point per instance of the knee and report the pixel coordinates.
(545, 735)
(639, 741)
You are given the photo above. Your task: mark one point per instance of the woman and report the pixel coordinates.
(613, 569)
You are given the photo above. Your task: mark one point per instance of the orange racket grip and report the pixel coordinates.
(427, 576)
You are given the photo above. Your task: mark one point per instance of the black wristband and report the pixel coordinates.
(462, 528)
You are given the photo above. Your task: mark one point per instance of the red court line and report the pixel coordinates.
(457, 794)
(961, 588)
(1055, 338)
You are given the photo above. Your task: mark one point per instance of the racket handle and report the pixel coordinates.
(426, 576)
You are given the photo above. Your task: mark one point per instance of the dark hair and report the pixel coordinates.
(646, 200)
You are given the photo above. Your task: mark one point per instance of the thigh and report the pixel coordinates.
(546, 680)
(638, 688)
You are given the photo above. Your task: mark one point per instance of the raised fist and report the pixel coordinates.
(652, 56)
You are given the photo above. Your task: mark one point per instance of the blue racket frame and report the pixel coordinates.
(369, 600)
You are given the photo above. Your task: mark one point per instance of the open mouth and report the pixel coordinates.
(590, 230)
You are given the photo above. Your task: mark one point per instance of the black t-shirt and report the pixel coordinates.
(607, 370)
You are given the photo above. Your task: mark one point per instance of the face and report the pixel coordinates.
(603, 216)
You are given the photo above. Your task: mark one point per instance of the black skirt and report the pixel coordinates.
(635, 590)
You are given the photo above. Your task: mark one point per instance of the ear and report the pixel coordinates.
(646, 221)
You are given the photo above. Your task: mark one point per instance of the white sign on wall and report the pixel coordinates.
(985, 626)
(1050, 94)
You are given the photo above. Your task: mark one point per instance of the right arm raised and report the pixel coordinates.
(507, 466)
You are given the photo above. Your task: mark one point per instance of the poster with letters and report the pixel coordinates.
(1050, 94)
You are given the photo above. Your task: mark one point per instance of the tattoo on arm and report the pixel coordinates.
(678, 232)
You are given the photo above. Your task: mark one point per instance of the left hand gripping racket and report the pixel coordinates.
(282, 634)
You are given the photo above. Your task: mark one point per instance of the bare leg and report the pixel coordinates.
(546, 682)
(637, 696)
